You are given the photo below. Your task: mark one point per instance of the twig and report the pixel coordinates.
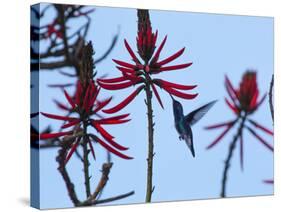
(230, 154)
(111, 199)
(104, 178)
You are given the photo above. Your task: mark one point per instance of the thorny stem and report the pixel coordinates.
(230, 154)
(271, 97)
(149, 188)
(86, 162)
(106, 167)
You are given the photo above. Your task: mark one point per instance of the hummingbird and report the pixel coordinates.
(183, 123)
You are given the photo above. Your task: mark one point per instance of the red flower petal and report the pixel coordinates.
(55, 135)
(232, 107)
(260, 139)
(131, 51)
(102, 131)
(62, 118)
(157, 95)
(171, 58)
(107, 136)
(116, 86)
(86, 98)
(174, 85)
(102, 105)
(254, 100)
(92, 101)
(126, 70)
(69, 99)
(175, 67)
(110, 149)
(117, 117)
(61, 106)
(257, 125)
(219, 137)
(231, 88)
(78, 92)
(113, 80)
(73, 148)
(133, 78)
(230, 93)
(92, 95)
(125, 102)
(102, 121)
(157, 54)
(179, 94)
(128, 65)
(215, 126)
(155, 38)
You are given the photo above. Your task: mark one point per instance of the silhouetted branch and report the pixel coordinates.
(111, 199)
(230, 154)
(271, 97)
(55, 65)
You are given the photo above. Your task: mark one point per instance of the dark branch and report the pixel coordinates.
(230, 154)
(106, 167)
(65, 145)
(271, 97)
(111, 199)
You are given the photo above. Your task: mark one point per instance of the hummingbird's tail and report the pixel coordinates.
(189, 142)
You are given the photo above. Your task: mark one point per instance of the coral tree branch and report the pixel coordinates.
(230, 154)
(149, 188)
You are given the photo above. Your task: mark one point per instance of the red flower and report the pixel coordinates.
(53, 28)
(141, 71)
(85, 104)
(243, 102)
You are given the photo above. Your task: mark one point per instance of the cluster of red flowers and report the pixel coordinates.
(246, 97)
(85, 105)
(142, 72)
(244, 102)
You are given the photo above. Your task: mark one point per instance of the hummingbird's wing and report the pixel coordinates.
(197, 114)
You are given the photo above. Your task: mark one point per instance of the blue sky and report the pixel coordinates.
(217, 45)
